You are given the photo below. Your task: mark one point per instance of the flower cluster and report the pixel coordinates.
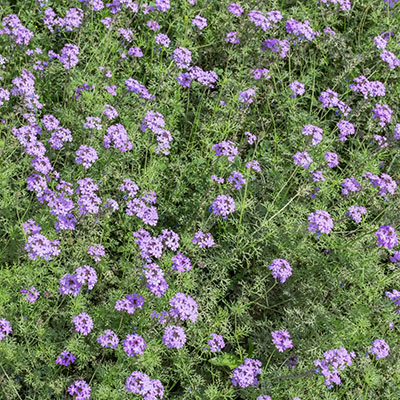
(281, 339)
(5, 328)
(134, 86)
(368, 88)
(216, 343)
(223, 206)
(154, 121)
(183, 307)
(203, 239)
(333, 362)
(356, 212)
(315, 132)
(350, 185)
(39, 246)
(86, 156)
(226, 148)
(320, 222)
(281, 269)
(384, 113)
(134, 345)
(97, 251)
(109, 339)
(31, 294)
(385, 183)
(80, 390)
(387, 236)
(118, 138)
(174, 337)
(130, 304)
(181, 263)
(156, 282)
(13, 27)
(65, 358)
(329, 98)
(83, 323)
(298, 88)
(245, 375)
(140, 383)
(380, 349)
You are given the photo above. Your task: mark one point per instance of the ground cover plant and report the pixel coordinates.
(199, 199)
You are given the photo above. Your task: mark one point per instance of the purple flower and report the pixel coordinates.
(301, 30)
(183, 307)
(65, 358)
(80, 390)
(86, 156)
(350, 185)
(380, 348)
(174, 337)
(356, 213)
(259, 19)
(226, 148)
(5, 328)
(395, 258)
(182, 57)
(332, 159)
(163, 40)
(97, 251)
(83, 323)
(140, 383)
(199, 22)
(163, 5)
(320, 222)
(384, 113)
(261, 73)
(235, 9)
(110, 112)
(118, 137)
(247, 96)
(254, 165)
(184, 79)
(250, 138)
(109, 339)
(130, 304)
(69, 56)
(386, 236)
(245, 375)
(170, 239)
(31, 294)
(153, 25)
(232, 37)
(216, 343)
(134, 345)
(156, 282)
(181, 263)
(297, 88)
(334, 361)
(346, 128)
(223, 206)
(281, 339)
(303, 159)
(315, 132)
(390, 58)
(237, 179)
(203, 239)
(39, 246)
(281, 269)
(368, 88)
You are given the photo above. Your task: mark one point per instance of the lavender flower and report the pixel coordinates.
(174, 337)
(226, 148)
(83, 323)
(97, 251)
(356, 212)
(245, 375)
(320, 222)
(334, 361)
(380, 348)
(5, 328)
(297, 88)
(39, 246)
(163, 40)
(181, 263)
(254, 165)
(281, 340)
(384, 113)
(86, 274)
(203, 239)
(182, 57)
(235, 9)
(386, 236)
(232, 37)
(390, 58)
(199, 22)
(134, 345)
(140, 383)
(109, 339)
(156, 282)
(350, 185)
(65, 358)
(281, 269)
(31, 294)
(86, 156)
(183, 307)
(223, 206)
(69, 284)
(303, 159)
(216, 343)
(251, 139)
(332, 159)
(130, 304)
(247, 96)
(237, 179)
(80, 390)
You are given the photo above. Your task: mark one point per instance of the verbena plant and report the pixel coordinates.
(199, 199)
